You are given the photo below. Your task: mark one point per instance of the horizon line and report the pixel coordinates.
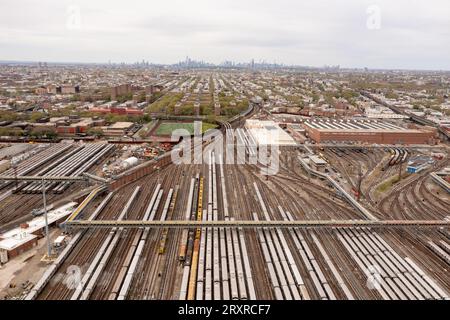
(210, 64)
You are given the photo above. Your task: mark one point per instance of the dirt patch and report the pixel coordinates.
(19, 274)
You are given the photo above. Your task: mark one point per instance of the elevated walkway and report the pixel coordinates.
(85, 202)
(440, 181)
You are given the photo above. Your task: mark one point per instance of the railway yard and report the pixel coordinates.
(20, 198)
(235, 263)
(414, 196)
(339, 184)
(225, 159)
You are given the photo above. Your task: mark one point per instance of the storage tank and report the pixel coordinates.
(130, 162)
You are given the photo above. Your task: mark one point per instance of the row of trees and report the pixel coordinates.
(16, 116)
(37, 133)
(166, 104)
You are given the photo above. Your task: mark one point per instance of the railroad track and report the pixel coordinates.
(412, 195)
(16, 208)
(329, 263)
(82, 255)
(128, 246)
(147, 285)
(88, 247)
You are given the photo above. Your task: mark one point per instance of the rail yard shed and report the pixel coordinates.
(366, 131)
(23, 238)
(317, 163)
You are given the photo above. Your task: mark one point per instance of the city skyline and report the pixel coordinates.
(377, 35)
(199, 64)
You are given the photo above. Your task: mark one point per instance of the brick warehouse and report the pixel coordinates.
(366, 131)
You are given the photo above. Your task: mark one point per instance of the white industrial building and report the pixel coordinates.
(18, 240)
(268, 133)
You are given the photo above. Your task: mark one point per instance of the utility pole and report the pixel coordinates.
(157, 170)
(401, 166)
(359, 182)
(46, 220)
(15, 174)
(401, 163)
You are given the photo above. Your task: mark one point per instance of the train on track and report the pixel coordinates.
(398, 156)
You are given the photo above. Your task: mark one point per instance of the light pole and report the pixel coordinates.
(15, 174)
(157, 172)
(46, 220)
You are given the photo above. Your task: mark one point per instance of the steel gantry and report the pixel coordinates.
(83, 177)
(40, 178)
(81, 224)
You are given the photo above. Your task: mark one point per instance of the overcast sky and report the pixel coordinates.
(410, 34)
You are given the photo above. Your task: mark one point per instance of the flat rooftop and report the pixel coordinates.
(420, 161)
(354, 125)
(120, 126)
(317, 160)
(268, 133)
(18, 236)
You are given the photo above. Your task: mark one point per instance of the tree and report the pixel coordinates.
(35, 116)
(43, 133)
(124, 97)
(8, 116)
(391, 95)
(75, 97)
(14, 132)
(142, 97)
(97, 132)
(146, 118)
(113, 118)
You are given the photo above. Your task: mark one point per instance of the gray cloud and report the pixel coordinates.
(413, 33)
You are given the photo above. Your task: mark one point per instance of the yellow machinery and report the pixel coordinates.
(194, 264)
